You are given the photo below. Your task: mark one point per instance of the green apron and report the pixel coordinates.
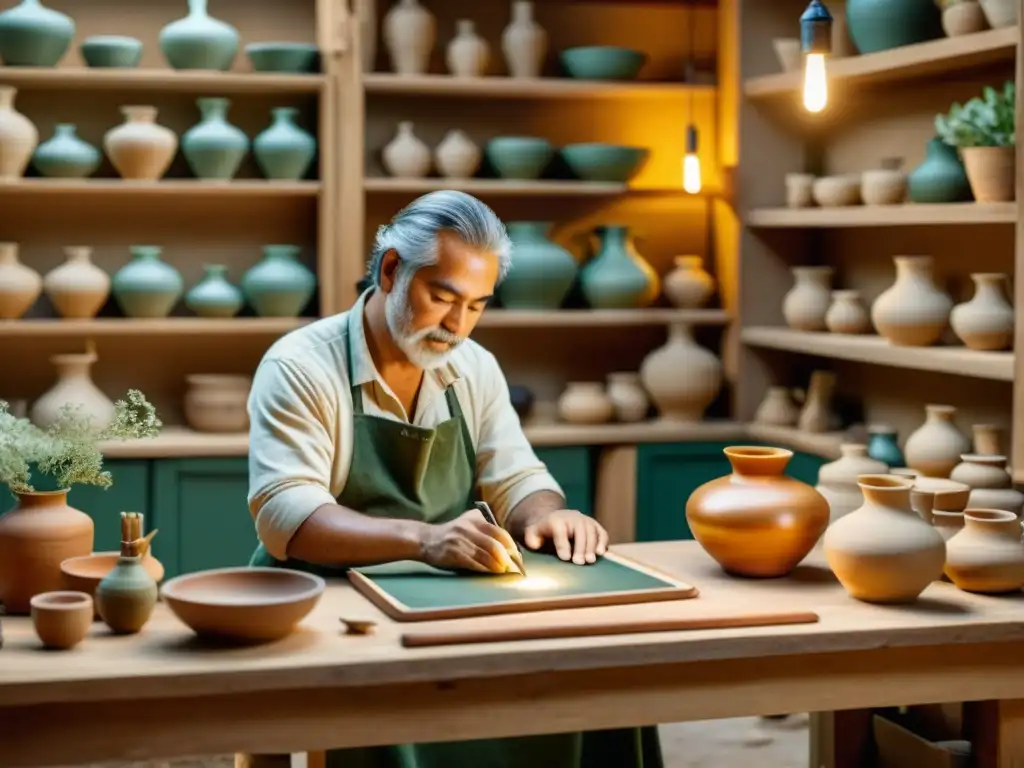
(400, 470)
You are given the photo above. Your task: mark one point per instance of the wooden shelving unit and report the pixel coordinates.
(594, 318)
(163, 80)
(110, 327)
(500, 87)
(178, 189)
(495, 187)
(908, 215)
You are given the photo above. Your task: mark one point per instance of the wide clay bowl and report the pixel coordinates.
(84, 574)
(243, 604)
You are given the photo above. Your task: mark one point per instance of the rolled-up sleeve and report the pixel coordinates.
(508, 470)
(290, 451)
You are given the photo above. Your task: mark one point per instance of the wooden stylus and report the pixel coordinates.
(485, 510)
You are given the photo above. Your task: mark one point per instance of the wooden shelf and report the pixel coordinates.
(176, 326)
(176, 443)
(166, 80)
(910, 214)
(496, 187)
(178, 188)
(523, 88)
(821, 444)
(949, 55)
(587, 318)
(958, 361)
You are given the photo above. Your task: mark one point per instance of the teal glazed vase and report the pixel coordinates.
(215, 295)
(199, 41)
(616, 278)
(32, 35)
(284, 151)
(65, 156)
(542, 272)
(880, 25)
(941, 178)
(214, 148)
(883, 447)
(279, 285)
(146, 286)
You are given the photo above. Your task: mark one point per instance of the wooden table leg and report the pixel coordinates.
(996, 732)
(840, 739)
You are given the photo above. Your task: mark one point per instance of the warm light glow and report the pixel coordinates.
(535, 582)
(815, 82)
(691, 173)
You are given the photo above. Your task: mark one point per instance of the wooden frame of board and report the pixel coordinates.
(395, 609)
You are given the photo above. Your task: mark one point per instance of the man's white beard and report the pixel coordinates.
(398, 315)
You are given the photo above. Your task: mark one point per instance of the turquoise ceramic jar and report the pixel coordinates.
(32, 35)
(215, 295)
(542, 271)
(941, 178)
(878, 25)
(284, 151)
(883, 447)
(199, 41)
(615, 278)
(279, 285)
(65, 156)
(146, 286)
(214, 148)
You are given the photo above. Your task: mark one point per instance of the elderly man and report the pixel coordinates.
(375, 431)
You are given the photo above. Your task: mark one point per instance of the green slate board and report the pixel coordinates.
(411, 591)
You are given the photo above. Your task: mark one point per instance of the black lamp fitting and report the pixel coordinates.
(691, 139)
(816, 29)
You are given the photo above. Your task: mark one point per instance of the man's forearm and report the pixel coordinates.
(338, 536)
(530, 509)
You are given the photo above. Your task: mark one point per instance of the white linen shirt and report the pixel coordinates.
(300, 436)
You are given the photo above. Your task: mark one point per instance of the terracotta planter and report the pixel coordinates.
(61, 619)
(992, 173)
(987, 554)
(40, 533)
(757, 521)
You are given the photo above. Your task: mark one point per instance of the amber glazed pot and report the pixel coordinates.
(757, 521)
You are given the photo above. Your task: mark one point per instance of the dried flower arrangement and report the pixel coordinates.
(69, 450)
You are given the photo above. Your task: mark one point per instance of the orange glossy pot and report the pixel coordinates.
(757, 521)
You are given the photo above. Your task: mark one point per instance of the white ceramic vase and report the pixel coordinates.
(805, 304)
(20, 285)
(468, 54)
(934, 448)
(524, 42)
(913, 312)
(628, 396)
(689, 285)
(991, 485)
(585, 402)
(74, 387)
(837, 480)
(410, 31)
(682, 377)
(457, 156)
(18, 137)
(77, 288)
(406, 156)
(986, 321)
(847, 314)
(139, 148)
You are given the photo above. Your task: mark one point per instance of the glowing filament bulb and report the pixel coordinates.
(692, 182)
(815, 82)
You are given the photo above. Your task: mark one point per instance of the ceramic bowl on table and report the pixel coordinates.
(605, 162)
(84, 574)
(61, 619)
(111, 51)
(602, 62)
(294, 58)
(522, 158)
(245, 605)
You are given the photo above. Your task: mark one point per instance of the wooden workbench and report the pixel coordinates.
(161, 694)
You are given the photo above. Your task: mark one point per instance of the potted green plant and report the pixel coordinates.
(40, 467)
(984, 131)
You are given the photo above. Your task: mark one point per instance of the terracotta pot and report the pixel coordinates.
(934, 448)
(992, 173)
(883, 552)
(847, 313)
(681, 377)
(628, 396)
(585, 402)
(61, 619)
(837, 480)
(986, 321)
(757, 521)
(990, 483)
(987, 554)
(805, 304)
(777, 408)
(40, 533)
(913, 311)
(217, 403)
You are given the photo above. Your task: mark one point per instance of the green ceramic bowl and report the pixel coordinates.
(295, 58)
(522, 158)
(111, 51)
(602, 62)
(605, 162)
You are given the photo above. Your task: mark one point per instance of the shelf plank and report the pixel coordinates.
(167, 80)
(958, 361)
(949, 55)
(587, 318)
(180, 188)
(910, 214)
(820, 444)
(537, 88)
(496, 187)
(172, 326)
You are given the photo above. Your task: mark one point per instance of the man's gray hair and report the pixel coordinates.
(413, 232)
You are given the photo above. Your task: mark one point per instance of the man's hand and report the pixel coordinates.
(575, 535)
(468, 542)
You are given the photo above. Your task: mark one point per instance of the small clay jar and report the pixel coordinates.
(987, 554)
(629, 399)
(217, 403)
(991, 485)
(934, 448)
(126, 596)
(799, 188)
(886, 185)
(988, 439)
(806, 303)
(688, 286)
(847, 313)
(585, 402)
(61, 619)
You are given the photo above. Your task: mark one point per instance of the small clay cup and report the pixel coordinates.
(61, 619)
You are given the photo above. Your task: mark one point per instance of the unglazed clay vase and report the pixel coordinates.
(78, 289)
(147, 286)
(468, 53)
(18, 137)
(74, 387)
(987, 555)
(214, 148)
(406, 156)
(410, 31)
(689, 285)
(991, 485)
(777, 408)
(816, 414)
(139, 149)
(284, 151)
(913, 312)
(847, 314)
(585, 402)
(880, 25)
(628, 396)
(126, 596)
(39, 533)
(524, 42)
(934, 448)
(990, 170)
(32, 35)
(837, 480)
(542, 271)
(940, 178)
(217, 402)
(279, 285)
(806, 303)
(618, 277)
(65, 156)
(931, 493)
(682, 377)
(986, 321)
(215, 295)
(948, 524)
(988, 439)
(20, 285)
(757, 521)
(883, 445)
(199, 41)
(457, 156)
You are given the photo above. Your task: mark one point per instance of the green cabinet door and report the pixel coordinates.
(201, 510)
(573, 468)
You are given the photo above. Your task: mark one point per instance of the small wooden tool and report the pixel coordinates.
(485, 510)
(358, 626)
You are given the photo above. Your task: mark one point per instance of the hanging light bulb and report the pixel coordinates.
(816, 44)
(691, 163)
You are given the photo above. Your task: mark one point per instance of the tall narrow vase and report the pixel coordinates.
(147, 286)
(284, 151)
(542, 271)
(214, 148)
(74, 387)
(199, 41)
(410, 31)
(279, 285)
(618, 277)
(524, 42)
